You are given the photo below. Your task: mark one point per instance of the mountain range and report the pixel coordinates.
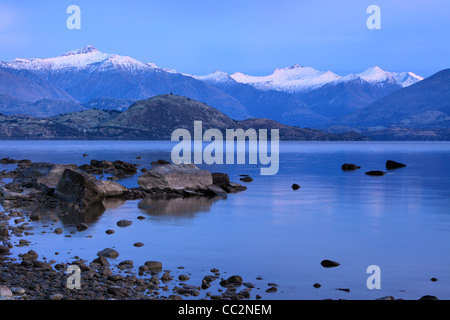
(295, 95)
(298, 96)
(150, 119)
(425, 104)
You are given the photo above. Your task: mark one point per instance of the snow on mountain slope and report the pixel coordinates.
(377, 75)
(299, 79)
(215, 77)
(82, 58)
(293, 79)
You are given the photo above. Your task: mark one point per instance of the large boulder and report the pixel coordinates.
(175, 177)
(43, 176)
(79, 188)
(110, 188)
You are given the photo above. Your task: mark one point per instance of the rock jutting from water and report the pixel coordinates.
(45, 185)
(390, 165)
(375, 173)
(350, 167)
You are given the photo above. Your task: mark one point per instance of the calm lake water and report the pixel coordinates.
(399, 222)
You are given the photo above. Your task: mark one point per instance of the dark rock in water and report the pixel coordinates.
(166, 277)
(91, 169)
(235, 279)
(103, 164)
(108, 253)
(42, 176)
(8, 161)
(390, 165)
(125, 167)
(343, 289)
(295, 186)
(101, 260)
(82, 226)
(246, 179)
(160, 162)
(329, 264)
(4, 250)
(217, 190)
(232, 281)
(233, 187)
(220, 179)
(317, 285)
(124, 223)
(79, 188)
(154, 266)
(4, 233)
(428, 297)
(350, 166)
(375, 173)
(31, 255)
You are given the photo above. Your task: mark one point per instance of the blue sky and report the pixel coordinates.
(249, 36)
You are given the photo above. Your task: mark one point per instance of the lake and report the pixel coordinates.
(399, 221)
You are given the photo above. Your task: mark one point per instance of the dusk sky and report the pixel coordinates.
(249, 36)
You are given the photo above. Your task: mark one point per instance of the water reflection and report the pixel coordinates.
(177, 207)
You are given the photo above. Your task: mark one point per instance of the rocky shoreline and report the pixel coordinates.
(75, 190)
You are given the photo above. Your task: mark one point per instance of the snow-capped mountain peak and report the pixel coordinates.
(82, 58)
(293, 79)
(379, 76)
(215, 77)
(88, 49)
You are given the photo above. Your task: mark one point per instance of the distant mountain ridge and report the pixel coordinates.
(299, 79)
(150, 119)
(425, 104)
(296, 95)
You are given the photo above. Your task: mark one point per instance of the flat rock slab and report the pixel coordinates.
(175, 177)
